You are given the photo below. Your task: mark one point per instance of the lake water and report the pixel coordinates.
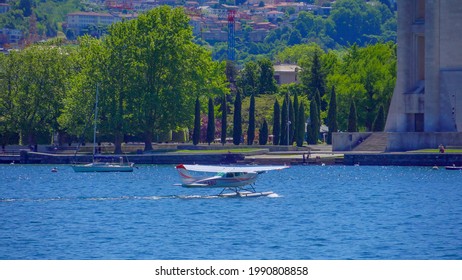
(319, 212)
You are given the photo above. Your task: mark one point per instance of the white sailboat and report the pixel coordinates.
(97, 164)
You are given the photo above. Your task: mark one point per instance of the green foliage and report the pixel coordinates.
(267, 83)
(237, 123)
(210, 123)
(197, 122)
(283, 140)
(368, 76)
(352, 118)
(379, 122)
(317, 80)
(224, 121)
(355, 21)
(296, 111)
(313, 131)
(276, 122)
(263, 134)
(32, 90)
(251, 127)
(292, 121)
(248, 79)
(332, 115)
(300, 135)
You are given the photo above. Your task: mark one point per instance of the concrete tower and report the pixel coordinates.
(428, 92)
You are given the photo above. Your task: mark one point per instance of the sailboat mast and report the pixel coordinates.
(94, 126)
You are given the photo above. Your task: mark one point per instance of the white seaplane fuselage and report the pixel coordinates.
(237, 179)
(219, 180)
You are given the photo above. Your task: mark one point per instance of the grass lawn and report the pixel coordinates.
(219, 151)
(452, 151)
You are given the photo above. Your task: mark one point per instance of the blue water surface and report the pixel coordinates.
(319, 212)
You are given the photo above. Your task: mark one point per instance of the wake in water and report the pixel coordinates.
(12, 200)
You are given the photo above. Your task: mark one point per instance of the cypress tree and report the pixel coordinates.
(352, 118)
(317, 78)
(292, 121)
(332, 116)
(224, 114)
(237, 125)
(263, 135)
(379, 122)
(317, 97)
(296, 107)
(197, 123)
(211, 123)
(251, 128)
(314, 125)
(276, 122)
(300, 125)
(284, 115)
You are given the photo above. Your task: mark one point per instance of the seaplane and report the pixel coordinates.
(239, 180)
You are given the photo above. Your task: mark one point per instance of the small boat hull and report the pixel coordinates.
(106, 167)
(453, 167)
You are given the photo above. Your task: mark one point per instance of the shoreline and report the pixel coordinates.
(259, 157)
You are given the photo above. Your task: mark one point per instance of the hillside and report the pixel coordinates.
(330, 25)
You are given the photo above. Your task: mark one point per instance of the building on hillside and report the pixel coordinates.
(286, 73)
(10, 36)
(4, 8)
(80, 21)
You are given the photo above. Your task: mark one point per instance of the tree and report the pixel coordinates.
(300, 125)
(249, 79)
(317, 79)
(366, 75)
(352, 118)
(379, 122)
(26, 7)
(267, 83)
(251, 128)
(171, 70)
(77, 115)
(355, 21)
(117, 90)
(296, 109)
(197, 122)
(276, 122)
(332, 116)
(33, 90)
(231, 71)
(263, 134)
(317, 98)
(283, 140)
(211, 123)
(295, 38)
(237, 117)
(224, 121)
(292, 121)
(313, 134)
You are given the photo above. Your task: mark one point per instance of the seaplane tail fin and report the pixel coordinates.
(185, 176)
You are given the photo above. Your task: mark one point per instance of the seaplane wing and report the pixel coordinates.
(231, 169)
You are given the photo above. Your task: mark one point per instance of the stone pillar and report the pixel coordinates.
(397, 119)
(432, 66)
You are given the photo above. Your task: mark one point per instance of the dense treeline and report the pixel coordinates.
(148, 73)
(152, 79)
(329, 83)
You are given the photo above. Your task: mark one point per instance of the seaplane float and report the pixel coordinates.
(239, 180)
